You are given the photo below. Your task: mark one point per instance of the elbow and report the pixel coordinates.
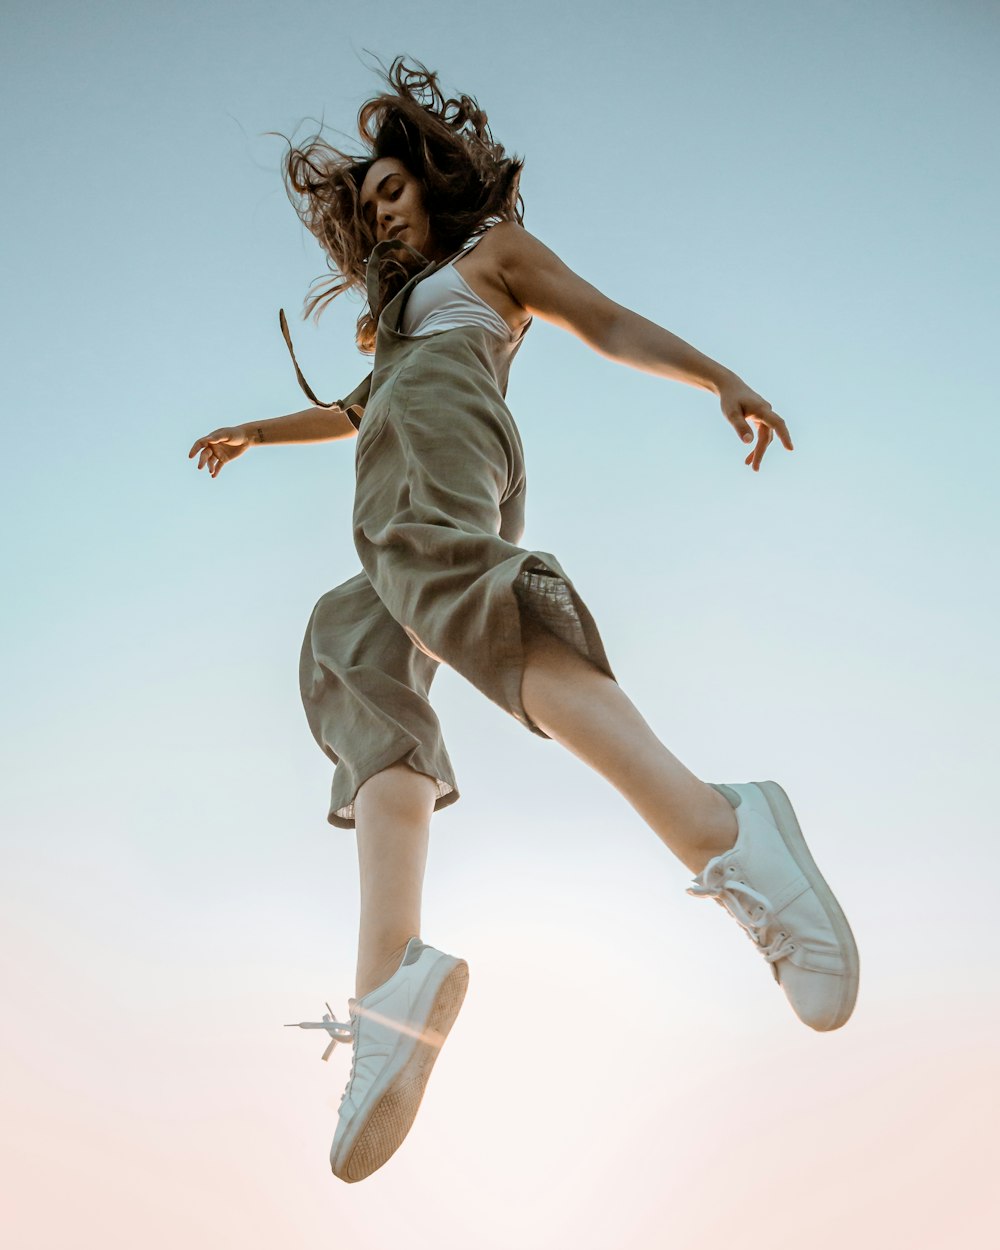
(609, 333)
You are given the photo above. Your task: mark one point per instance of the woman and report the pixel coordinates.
(428, 226)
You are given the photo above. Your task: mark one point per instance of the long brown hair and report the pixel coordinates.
(469, 183)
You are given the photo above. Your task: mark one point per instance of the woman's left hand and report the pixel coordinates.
(744, 409)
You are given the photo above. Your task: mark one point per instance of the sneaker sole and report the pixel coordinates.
(791, 832)
(392, 1114)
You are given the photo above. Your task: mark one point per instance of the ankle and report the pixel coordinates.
(715, 834)
(376, 968)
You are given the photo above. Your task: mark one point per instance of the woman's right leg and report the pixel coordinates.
(364, 689)
(393, 814)
(408, 993)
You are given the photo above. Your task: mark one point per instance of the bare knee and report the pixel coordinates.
(559, 684)
(398, 792)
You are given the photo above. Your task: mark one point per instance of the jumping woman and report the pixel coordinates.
(426, 225)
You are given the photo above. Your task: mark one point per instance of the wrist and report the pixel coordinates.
(720, 378)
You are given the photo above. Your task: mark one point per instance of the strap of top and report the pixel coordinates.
(298, 372)
(359, 395)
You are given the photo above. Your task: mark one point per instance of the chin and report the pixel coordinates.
(422, 240)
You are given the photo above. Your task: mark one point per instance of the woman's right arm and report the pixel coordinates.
(311, 425)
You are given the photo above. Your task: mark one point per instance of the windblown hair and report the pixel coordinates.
(469, 184)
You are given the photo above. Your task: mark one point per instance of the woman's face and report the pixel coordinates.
(392, 203)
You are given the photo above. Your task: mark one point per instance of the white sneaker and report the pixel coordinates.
(397, 1031)
(770, 884)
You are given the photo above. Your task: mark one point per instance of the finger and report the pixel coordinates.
(763, 438)
(762, 445)
(204, 441)
(781, 429)
(737, 420)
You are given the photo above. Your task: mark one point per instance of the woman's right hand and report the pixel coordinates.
(219, 447)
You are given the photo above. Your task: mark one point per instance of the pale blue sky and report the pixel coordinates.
(805, 191)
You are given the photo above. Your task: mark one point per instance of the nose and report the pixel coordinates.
(385, 218)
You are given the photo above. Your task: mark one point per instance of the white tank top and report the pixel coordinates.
(444, 301)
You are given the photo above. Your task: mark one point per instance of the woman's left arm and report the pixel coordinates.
(545, 287)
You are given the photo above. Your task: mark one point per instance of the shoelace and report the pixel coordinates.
(342, 1031)
(717, 881)
(339, 1030)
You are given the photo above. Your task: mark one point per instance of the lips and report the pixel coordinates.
(395, 232)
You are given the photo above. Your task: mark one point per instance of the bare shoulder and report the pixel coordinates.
(502, 260)
(538, 283)
(487, 266)
(508, 244)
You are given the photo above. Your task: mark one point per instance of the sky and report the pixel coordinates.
(806, 192)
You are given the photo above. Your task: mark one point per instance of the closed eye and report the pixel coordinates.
(394, 192)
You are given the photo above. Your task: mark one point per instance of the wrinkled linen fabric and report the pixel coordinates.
(438, 514)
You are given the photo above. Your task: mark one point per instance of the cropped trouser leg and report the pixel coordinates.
(364, 687)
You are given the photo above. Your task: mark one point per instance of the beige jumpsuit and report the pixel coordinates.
(438, 511)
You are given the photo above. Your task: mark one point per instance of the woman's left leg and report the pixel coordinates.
(746, 847)
(588, 713)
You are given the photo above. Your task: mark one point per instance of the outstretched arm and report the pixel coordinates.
(311, 425)
(545, 287)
